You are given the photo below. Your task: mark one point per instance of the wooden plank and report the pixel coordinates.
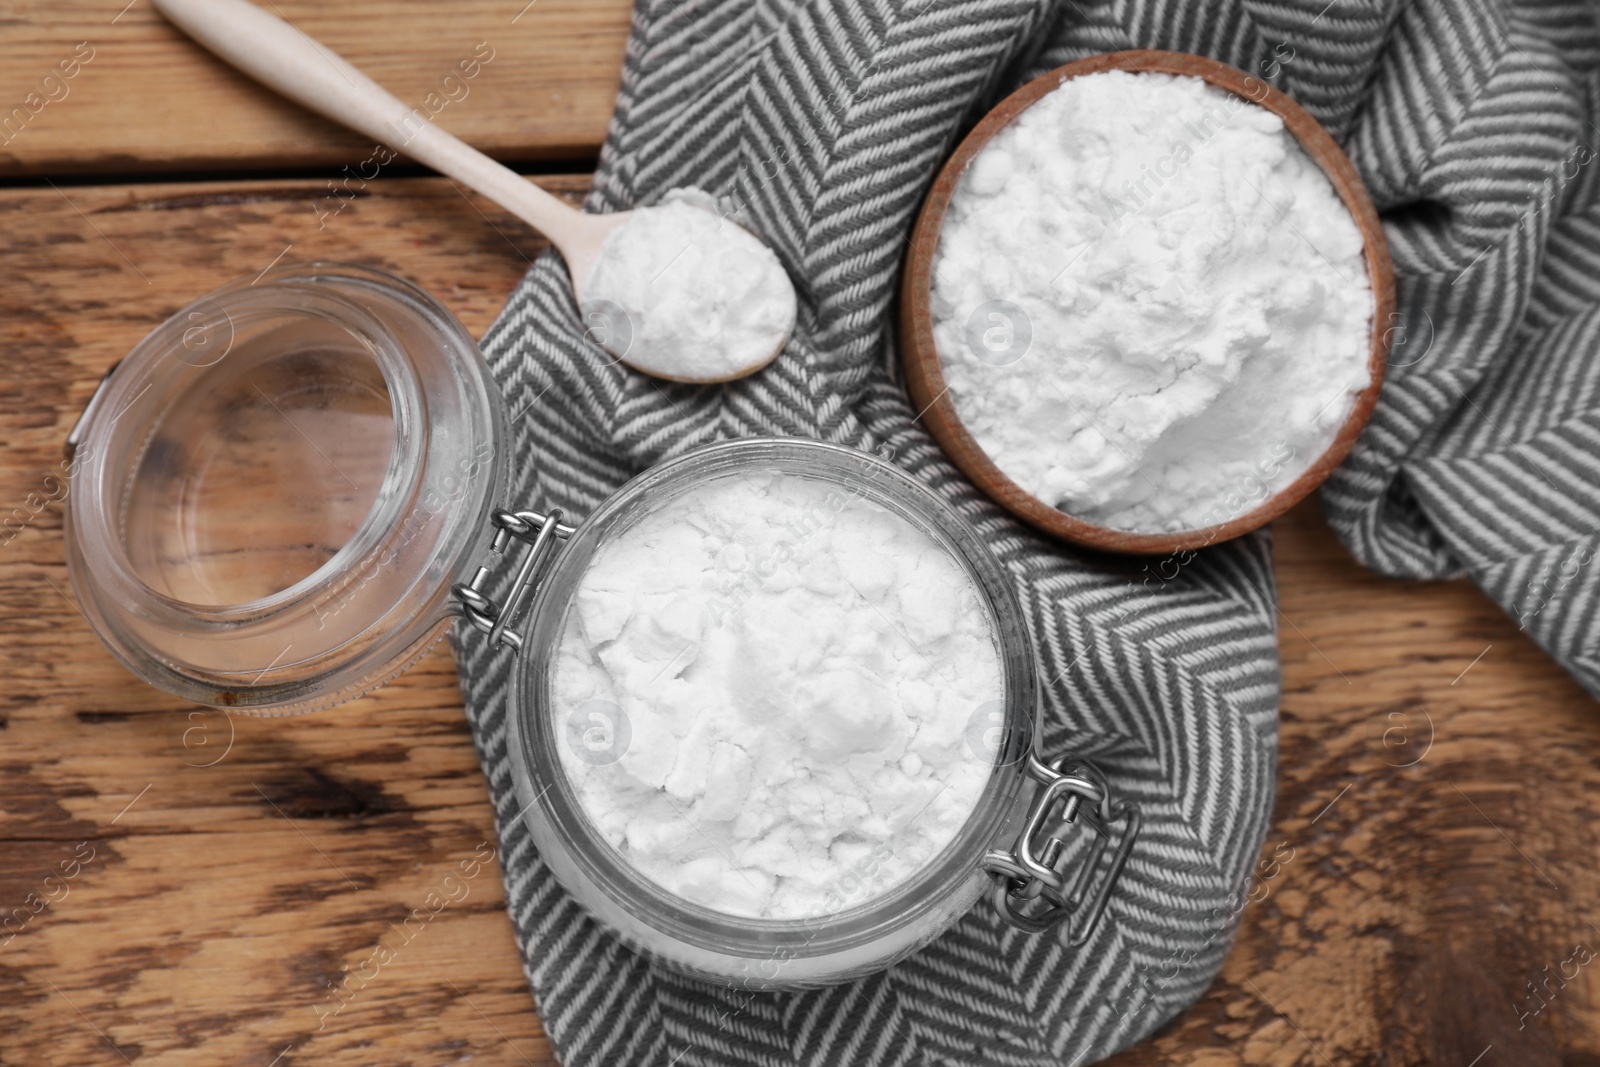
(1434, 832)
(142, 98)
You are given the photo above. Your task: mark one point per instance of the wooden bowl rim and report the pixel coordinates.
(925, 376)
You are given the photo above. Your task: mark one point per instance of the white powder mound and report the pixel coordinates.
(1150, 305)
(700, 298)
(767, 693)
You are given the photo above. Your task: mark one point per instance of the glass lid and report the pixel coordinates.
(274, 492)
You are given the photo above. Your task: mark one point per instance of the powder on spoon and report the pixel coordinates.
(1149, 303)
(766, 691)
(700, 298)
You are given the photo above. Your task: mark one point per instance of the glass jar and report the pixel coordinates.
(274, 492)
(285, 492)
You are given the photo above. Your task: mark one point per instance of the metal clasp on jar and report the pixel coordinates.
(539, 533)
(1032, 889)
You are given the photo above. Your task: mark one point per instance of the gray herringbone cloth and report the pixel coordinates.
(826, 120)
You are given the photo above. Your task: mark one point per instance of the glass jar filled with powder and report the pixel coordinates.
(778, 722)
(772, 706)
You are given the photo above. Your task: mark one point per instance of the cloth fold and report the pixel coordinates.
(1481, 457)
(821, 122)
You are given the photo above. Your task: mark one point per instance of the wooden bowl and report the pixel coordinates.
(925, 376)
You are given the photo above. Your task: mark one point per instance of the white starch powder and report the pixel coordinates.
(685, 293)
(1150, 305)
(766, 692)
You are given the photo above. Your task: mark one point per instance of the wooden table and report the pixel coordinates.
(208, 878)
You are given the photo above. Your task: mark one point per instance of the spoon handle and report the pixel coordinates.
(283, 58)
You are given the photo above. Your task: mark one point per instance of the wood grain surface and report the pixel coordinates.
(107, 87)
(192, 888)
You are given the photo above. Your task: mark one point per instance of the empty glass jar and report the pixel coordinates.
(274, 492)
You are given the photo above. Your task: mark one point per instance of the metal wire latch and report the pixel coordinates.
(539, 533)
(1032, 889)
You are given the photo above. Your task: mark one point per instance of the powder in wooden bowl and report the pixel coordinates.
(1148, 300)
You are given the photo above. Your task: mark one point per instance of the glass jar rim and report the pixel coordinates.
(96, 526)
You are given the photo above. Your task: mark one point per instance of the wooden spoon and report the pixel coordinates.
(284, 59)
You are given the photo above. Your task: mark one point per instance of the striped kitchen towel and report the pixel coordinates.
(823, 122)
(1479, 144)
